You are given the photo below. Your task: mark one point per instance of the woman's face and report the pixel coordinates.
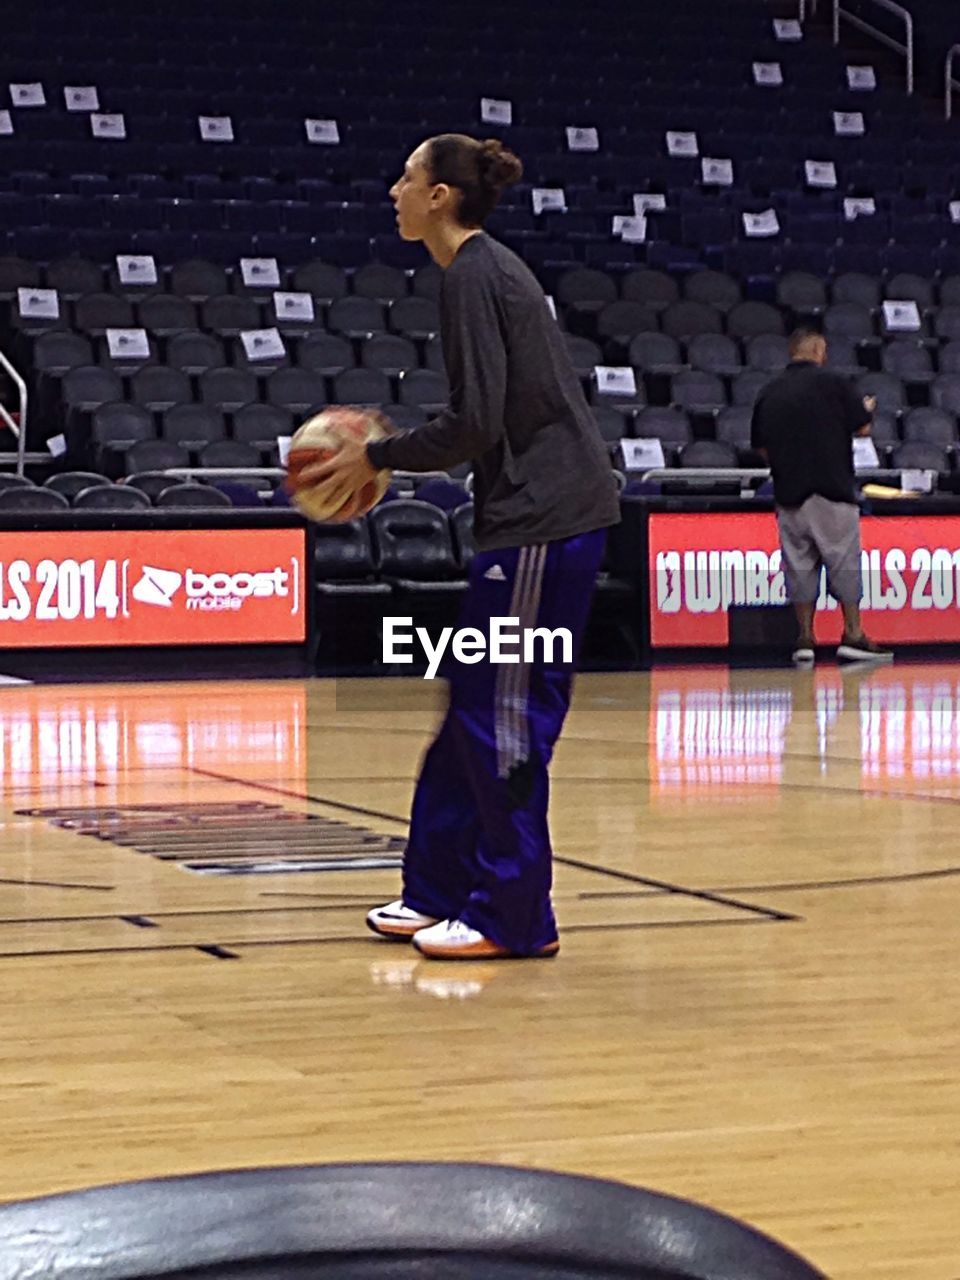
(418, 201)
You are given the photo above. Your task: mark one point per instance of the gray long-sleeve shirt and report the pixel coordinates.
(516, 410)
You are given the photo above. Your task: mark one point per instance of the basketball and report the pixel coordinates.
(319, 439)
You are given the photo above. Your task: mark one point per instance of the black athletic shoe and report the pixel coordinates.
(862, 649)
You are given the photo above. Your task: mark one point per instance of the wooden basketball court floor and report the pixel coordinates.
(756, 1002)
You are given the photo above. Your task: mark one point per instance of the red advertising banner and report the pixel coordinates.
(701, 564)
(152, 587)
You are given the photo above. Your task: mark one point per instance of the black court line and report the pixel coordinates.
(663, 885)
(56, 884)
(798, 885)
(231, 950)
(297, 795)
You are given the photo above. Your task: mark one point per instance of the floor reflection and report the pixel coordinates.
(723, 729)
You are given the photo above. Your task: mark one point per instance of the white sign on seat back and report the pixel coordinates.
(549, 200)
(787, 29)
(6, 123)
(615, 380)
(293, 306)
(38, 304)
(582, 139)
(262, 344)
(901, 315)
(645, 201)
(128, 344)
(768, 74)
(761, 224)
(644, 454)
(864, 453)
(81, 97)
(681, 143)
(215, 128)
(108, 125)
(849, 124)
(136, 268)
(28, 95)
(496, 111)
(630, 229)
(820, 173)
(859, 207)
(326, 132)
(716, 173)
(864, 78)
(260, 271)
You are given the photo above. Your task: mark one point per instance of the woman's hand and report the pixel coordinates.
(346, 472)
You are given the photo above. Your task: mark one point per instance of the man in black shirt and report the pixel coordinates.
(803, 423)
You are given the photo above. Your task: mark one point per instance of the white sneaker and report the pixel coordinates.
(397, 921)
(454, 940)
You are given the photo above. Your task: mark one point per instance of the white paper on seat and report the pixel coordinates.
(955, 210)
(915, 481)
(716, 173)
(57, 446)
(582, 139)
(861, 78)
(108, 125)
(136, 268)
(820, 173)
(682, 144)
(615, 380)
(81, 97)
(128, 344)
(549, 200)
(849, 124)
(644, 454)
(260, 271)
(901, 315)
(496, 111)
(768, 74)
(293, 306)
(761, 224)
(864, 453)
(262, 344)
(551, 305)
(38, 304)
(859, 207)
(644, 201)
(631, 230)
(283, 448)
(28, 95)
(787, 29)
(323, 131)
(215, 128)
(6, 123)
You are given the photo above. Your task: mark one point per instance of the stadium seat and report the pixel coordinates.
(30, 498)
(399, 1221)
(110, 497)
(413, 547)
(192, 495)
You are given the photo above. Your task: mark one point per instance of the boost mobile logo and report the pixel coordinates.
(215, 591)
(157, 586)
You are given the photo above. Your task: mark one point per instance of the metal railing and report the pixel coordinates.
(949, 84)
(858, 22)
(18, 428)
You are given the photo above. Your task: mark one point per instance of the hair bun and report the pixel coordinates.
(497, 166)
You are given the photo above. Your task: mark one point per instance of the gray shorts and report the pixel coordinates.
(820, 533)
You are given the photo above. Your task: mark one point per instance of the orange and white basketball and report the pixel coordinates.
(319, 439)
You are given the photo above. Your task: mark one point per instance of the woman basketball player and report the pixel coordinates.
(478, 865)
